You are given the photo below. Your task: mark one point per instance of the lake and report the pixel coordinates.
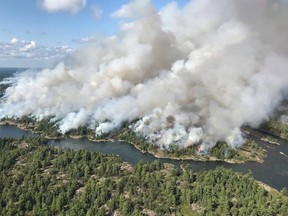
(274, 170)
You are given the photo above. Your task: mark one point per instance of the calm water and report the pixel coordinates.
(274, 170)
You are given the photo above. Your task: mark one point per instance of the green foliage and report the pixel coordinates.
(81, 131)
(140, 142)
(130, 136)
(36, 179)
(222, 151)
(48, 127)
(253, 145)
(277, 128)
(284, 191)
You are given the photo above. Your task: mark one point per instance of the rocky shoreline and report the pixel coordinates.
(158, 154)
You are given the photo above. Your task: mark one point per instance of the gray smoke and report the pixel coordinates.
(187, 75)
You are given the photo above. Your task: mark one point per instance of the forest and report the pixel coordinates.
(249, 151)
(37, 179)
(276, 128)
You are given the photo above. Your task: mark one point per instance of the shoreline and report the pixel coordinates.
(157, 154)
(205, 158)
(267, 187)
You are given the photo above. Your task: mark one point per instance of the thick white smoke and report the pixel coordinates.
(187, 75)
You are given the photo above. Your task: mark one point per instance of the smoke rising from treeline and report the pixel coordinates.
(187, 75)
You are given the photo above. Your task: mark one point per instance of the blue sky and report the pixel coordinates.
(40, 32)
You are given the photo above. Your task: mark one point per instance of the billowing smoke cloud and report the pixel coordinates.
(183, 75)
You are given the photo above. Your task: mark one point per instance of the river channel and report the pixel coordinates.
(274, 170)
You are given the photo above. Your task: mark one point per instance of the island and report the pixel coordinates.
(249, 151)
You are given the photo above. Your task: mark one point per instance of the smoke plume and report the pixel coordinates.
(183, 75)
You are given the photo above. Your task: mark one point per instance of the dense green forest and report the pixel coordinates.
(277, 128)
(37, 179)
(250, 151)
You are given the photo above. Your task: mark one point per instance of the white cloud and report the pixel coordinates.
(30, 50)
(87, 39)
(135, 8)
(124, 12)
(28, 46)
(97, 12)
(72, 6)
(14, 40)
